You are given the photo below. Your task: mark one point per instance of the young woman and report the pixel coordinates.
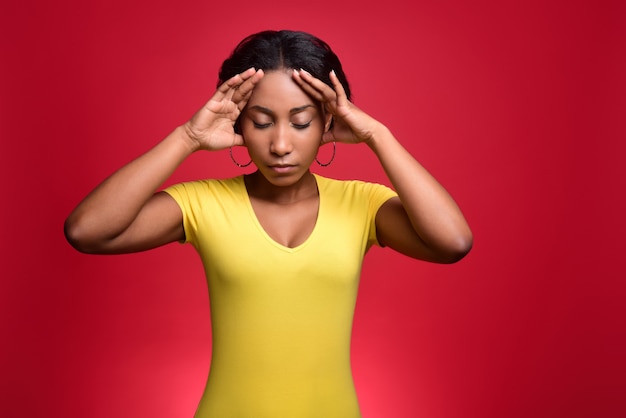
(282, 247)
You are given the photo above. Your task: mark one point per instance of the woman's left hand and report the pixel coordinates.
(351, 124)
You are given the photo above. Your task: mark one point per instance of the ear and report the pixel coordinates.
(329, 122)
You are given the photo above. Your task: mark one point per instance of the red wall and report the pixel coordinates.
(517, 107)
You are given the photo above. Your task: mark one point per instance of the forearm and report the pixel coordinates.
(433, 213)
(113, 205)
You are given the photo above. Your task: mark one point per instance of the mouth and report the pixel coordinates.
(282, 168)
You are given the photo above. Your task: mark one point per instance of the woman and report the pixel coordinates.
(282, 247)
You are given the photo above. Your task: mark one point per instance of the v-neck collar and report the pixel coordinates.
(257, 223)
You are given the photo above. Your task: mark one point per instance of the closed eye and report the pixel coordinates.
(301, 126)
(261, 125)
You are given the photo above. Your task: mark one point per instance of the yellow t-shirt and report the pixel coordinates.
(281, 317)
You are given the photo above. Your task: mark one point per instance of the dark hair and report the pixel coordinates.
(273, 50)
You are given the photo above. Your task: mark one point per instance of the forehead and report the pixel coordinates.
(278, 91)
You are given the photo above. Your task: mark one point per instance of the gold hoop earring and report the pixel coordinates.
(331, 158)
(232, 157)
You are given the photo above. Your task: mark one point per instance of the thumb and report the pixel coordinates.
(238, 140)
(328, 136)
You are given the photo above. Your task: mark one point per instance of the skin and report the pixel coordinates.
(285, 117)
(283, 126)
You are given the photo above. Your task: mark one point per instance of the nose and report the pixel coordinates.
(281, 142)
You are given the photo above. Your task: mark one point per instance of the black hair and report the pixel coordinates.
(273, 50)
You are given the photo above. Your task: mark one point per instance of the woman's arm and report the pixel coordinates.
(124, 214)
(424, 222)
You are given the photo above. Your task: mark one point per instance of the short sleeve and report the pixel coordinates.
(187, 196)
(377, 194)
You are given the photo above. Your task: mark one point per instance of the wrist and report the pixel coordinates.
(380, 135)
(187, 137)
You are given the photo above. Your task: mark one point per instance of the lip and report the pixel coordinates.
(282, 168)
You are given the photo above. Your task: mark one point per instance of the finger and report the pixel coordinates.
(314, 87)
(244, 91)
(304, 85)
(342, 98)
(238, 79)
(227, 90)
(235, 81)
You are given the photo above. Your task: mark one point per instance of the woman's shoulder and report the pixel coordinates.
(207, 186)
(348, 184)
(354, 193)
(210, 182)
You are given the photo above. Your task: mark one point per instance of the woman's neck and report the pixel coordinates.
(259, 187)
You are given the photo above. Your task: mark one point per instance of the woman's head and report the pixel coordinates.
(275, 50)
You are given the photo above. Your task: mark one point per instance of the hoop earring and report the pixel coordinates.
(331, 158)
(232, 157)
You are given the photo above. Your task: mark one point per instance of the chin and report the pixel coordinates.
(283, 181)
(284, 177)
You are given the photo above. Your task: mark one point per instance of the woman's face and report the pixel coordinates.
(282, 128)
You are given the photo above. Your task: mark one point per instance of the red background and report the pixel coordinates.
(517, 107)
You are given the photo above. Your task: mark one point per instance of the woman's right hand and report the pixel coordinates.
(212, 127)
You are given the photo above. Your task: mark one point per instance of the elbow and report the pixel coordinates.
(74, 235)
(458, 249)
(461, 249)
(453, 251)
(78, 236)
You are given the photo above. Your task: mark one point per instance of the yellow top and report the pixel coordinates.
(281, 317)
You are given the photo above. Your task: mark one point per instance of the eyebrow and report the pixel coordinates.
(268, 111)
